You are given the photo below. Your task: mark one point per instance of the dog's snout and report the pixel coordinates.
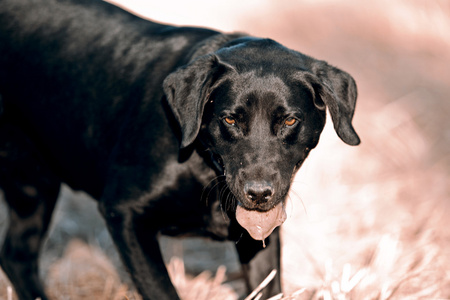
(258, 191)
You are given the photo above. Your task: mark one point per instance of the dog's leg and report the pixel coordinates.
(257, 262)
(139, 249)
(31, 191)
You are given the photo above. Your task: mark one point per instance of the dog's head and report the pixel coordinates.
(260, 109)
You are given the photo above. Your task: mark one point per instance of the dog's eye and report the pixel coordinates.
(230, 120)
(290, 121)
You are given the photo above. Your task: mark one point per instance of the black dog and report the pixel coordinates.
(171, 129)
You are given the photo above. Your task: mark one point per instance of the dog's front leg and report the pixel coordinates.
(257, 262)
(140, 252)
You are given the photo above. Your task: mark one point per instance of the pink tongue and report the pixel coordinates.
(261, 224)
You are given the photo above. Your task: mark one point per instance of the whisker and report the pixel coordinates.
(240, 238)
(225, 196)
(227, 193)
(215, 181)
(211, 190)
(224, 203)
(299, 198)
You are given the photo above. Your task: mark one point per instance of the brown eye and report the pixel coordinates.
(290, 121)
(230, 121)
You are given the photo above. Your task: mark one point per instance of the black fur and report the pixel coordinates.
(135, 114)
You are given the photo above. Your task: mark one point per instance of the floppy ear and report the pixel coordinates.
(187, 91)
(337, 90)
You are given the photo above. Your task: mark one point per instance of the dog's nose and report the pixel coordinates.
(258, 191)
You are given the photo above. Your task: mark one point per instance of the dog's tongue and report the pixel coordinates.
(261, 224)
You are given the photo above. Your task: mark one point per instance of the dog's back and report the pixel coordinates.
(83, 67)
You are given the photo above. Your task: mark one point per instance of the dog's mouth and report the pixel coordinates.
(261, 224)
(258, 223)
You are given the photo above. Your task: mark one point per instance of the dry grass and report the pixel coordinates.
(379, 235)
(84, 272)
(369, 222)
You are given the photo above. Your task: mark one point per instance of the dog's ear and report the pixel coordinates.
(187, 90)
(337, 90)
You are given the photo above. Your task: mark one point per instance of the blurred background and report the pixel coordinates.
(366, 222)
